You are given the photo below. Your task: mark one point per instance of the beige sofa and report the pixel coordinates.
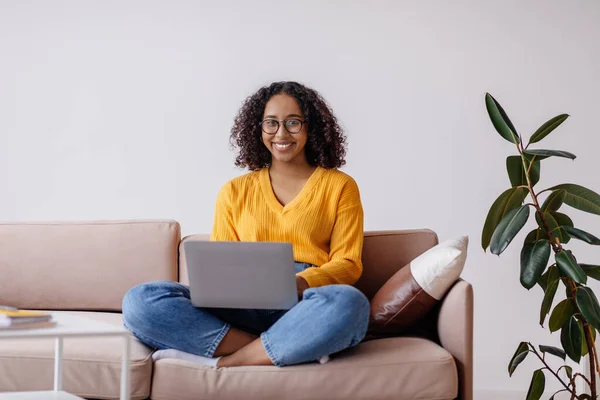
(86, 268)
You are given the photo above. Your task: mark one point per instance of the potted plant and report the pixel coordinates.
(577, 316)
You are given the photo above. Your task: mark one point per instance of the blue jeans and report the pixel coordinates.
(329, 319)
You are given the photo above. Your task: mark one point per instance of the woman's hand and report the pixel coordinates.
(302, 285)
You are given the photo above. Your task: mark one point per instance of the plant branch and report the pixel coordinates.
(556, 247)
(551, 370)
(584, 378)
(530, 163)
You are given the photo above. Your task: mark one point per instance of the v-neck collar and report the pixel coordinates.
(269, 194)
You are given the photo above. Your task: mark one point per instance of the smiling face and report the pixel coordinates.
(284, 146)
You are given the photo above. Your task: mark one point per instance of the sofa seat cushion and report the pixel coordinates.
(91, 366)
(393, 368)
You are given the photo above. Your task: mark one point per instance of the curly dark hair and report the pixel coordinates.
(326, 142)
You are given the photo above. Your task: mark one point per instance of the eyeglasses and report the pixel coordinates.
(271, 126)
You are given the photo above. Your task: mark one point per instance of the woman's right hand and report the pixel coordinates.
(301, 285)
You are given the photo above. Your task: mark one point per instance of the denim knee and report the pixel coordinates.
(137, 305)
(133, 303)
(350, 307)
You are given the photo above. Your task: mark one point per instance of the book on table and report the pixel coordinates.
(12, 318)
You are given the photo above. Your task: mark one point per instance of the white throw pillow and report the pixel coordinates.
(438, 268)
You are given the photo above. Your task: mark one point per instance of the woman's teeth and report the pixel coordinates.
(281, 146)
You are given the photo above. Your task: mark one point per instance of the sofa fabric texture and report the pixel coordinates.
(394, 368)
(83, 265)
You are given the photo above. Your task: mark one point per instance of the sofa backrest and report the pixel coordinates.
(83, 265)
(384, 253)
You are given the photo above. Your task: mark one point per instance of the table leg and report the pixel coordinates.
(58, 364)
(125, 368)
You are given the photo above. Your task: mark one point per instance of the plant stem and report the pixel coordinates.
(551, 370)
(583, 377)
(557, 247)
(530, 164)
(590, 338)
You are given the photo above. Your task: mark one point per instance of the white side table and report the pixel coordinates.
(69, 326)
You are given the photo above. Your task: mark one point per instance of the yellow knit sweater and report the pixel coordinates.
(324, 222)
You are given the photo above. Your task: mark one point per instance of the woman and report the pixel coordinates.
(288, 136)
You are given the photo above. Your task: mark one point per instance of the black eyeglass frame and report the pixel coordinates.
(302, 122)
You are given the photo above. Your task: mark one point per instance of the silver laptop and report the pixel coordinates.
(241, 274)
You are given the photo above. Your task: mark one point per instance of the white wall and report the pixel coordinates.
(122, 109)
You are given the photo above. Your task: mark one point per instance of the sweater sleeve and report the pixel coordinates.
(345, 249)
(223, 227)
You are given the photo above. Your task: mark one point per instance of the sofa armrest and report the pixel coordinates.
(455, 330)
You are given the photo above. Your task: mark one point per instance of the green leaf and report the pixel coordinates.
(567, 264)
(561, 234)
(556, 230)
(549, 293)
(562, 219)
(568, 371)
(548, 127)
(554, 351)
(538, 383)
(535, 235)
(500, 120)
(593, 336)
(570, 338)
(582, 235)
(518, 357)
(534, 157)
(584, 348)
(550, 153)
(534, 259)
(580, 198)
(561, 313)
(554, 201)
(517, 174)
(549, 276)
(507, 201)
(588, 305)
(508, 228)
(593, 271)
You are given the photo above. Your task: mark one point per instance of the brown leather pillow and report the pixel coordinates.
(415, 289)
